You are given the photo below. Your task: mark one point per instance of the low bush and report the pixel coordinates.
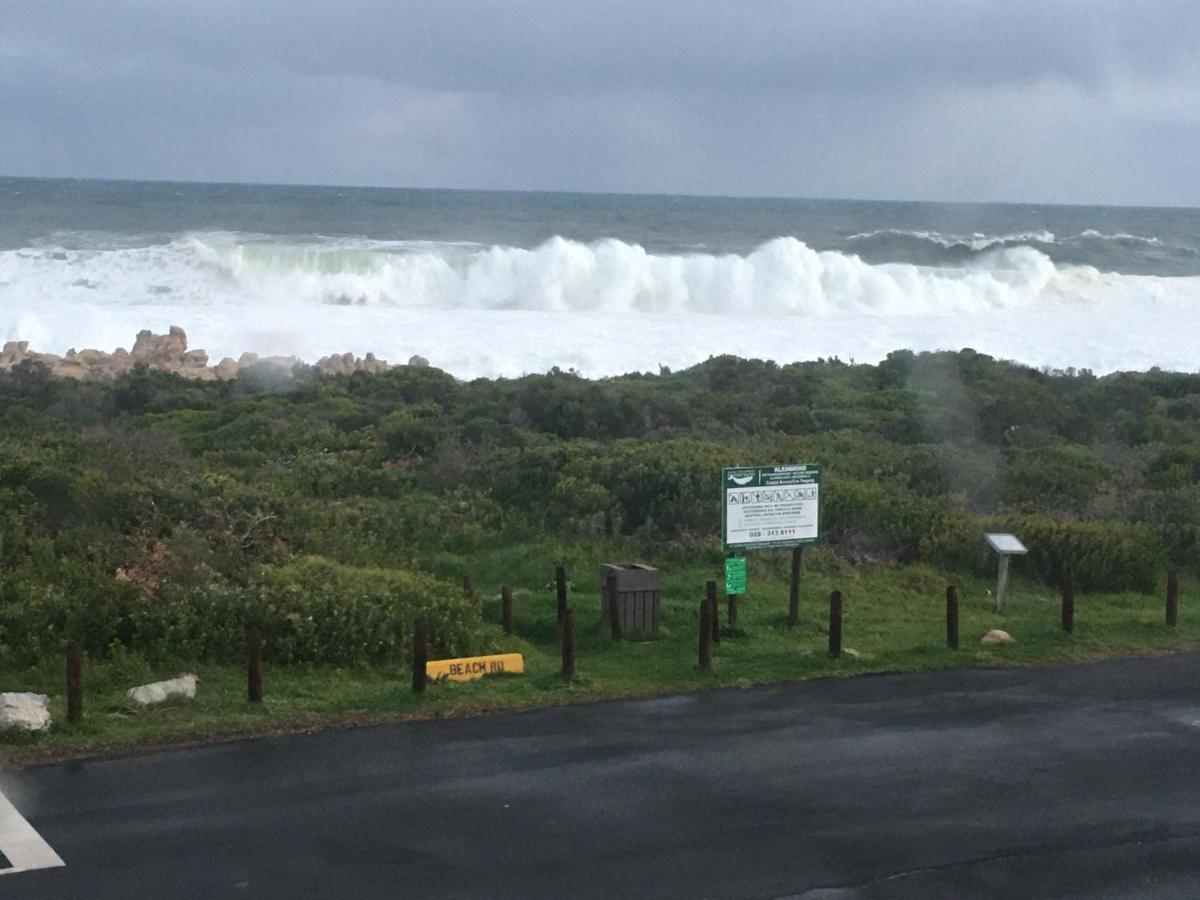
(310, 610)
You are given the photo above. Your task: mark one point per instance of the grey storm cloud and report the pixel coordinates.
(956, 99)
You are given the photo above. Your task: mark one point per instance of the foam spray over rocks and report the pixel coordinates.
(169, 353)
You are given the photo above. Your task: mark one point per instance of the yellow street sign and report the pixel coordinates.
(471, 667)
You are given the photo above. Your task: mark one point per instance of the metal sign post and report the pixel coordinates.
(1007, 546)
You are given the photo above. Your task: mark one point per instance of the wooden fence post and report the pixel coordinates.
(732, 600)
(1172, 598)
(74, 682)
(469, 587)
(254, 666)
(835, 624)
(794, 588)
(952, 617)
(506, 611)
(420, 654)
(1068, 605)
(560, 589)
(568, 644)
(710, 594)
(614, 607)
(705, 635)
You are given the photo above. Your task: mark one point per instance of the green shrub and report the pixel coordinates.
(311, 611)
(1099, 556)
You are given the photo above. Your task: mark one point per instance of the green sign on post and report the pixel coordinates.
(770, 507)
(735, 575)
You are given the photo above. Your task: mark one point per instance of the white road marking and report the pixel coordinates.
(23, 846)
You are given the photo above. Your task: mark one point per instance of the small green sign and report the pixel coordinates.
(735, 575)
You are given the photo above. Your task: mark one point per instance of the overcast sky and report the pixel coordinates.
(1086, 101)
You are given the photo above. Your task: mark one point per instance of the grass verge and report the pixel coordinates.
(894, 620)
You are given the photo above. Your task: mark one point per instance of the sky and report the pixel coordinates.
(1058, 101)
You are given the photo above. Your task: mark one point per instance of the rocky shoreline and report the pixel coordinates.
(169, 353)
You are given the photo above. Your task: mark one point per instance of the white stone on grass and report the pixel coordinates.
(996, 636)
(159, 691)
(23, 711)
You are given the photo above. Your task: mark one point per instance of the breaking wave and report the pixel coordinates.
(601, 307)
(1118, 251)
(782, 277)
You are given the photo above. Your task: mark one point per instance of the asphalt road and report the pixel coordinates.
(1074, 781)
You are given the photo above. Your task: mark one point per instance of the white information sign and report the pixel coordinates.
(770, 506)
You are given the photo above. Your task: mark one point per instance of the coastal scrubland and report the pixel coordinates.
(154, 519)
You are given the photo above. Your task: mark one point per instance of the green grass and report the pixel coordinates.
(894, 618)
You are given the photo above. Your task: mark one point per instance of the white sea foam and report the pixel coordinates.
(1095, 235)
(976, 241)
(599, 308)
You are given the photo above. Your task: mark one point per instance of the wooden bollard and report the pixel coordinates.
(1172, 598)
(568, 644)
(74, 682)
(254, 666)
(469, 587)
(732, 603)
(710, 594)
(506, 608)
(835, 624)
(420, 654)
(952, 617)
(1068, 606)
(705, 635)
(560, 589)
(794, 588)
(614, 608)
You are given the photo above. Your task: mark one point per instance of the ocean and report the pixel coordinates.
(486, 283)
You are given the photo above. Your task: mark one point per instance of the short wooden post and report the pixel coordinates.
(710, 594)
(506, 608)
(835, 624)
(469, 588)
(614, 607)
(732, 601)
(952, 617)
(568, 644)
(705, 635)
(74, 682)
(794, 588)
(560, 589)
(1172, 598)
(1068, 605)
(254, 666)
(420, 654)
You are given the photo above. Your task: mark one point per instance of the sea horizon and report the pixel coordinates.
(816, 198)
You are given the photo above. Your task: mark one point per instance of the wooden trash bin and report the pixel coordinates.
(639, 589)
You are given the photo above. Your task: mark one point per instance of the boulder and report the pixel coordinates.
(226, 369)
(160, 350)
(169, 353)
(371, 364)
(996, 636)
(418, 361)
(159, 691)
(13, 352)
(93, 358)
(24, 712)
(347, 363)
